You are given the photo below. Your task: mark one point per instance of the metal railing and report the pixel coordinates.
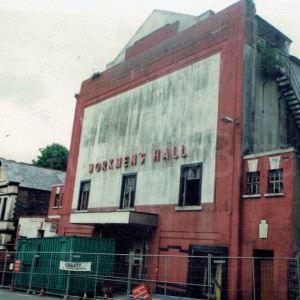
(165, 276)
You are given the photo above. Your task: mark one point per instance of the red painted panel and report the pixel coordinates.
(152, 39)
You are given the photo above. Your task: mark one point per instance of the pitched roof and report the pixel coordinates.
(30, 176)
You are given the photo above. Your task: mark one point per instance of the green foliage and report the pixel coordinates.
(54, 156)
(95, 75)
(270, 60)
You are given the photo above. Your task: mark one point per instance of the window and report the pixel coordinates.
(58, 197)
(3, 206)
(190, 185)
(253, 179)
(40, 233)
(275, 181)
(202, 272)
(56, 200)
(128, 191)
(84, 195)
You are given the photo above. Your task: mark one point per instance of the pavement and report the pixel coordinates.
(22, 295)
(19, 295)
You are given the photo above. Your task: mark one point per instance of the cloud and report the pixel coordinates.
(21, 88)
(49, 47)
(23, 132)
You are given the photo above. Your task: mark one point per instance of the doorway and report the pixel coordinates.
(207, 275)
(264, 274)
(138, 260)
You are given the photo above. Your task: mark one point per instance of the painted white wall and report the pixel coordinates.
(9, 193)
(177, 109)
(29, 227)
(4, 239)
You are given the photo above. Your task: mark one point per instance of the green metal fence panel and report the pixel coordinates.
(40, 259)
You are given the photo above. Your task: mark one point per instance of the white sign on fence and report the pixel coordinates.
(75, 266)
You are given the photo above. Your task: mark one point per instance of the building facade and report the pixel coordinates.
(24, 191)
(270, 213)
(44, 225)
(168, 141)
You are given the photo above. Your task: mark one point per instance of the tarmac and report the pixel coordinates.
(19, 295)
(5, 294)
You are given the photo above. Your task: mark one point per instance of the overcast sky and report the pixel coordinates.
(48, 47)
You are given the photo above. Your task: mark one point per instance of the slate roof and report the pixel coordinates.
(30, 176)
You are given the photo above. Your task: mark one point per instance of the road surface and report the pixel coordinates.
(20, 295)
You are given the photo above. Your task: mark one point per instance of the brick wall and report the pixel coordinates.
(31, 202)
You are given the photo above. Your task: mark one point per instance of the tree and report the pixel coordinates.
(54, 156)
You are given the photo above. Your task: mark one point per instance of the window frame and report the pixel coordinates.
(83, 204)
(182, 186)
(253, 184)
(4, 207)
(272, 181)
(56, 200)
(40, 233)
(132, 201)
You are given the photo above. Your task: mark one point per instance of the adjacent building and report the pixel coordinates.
(188, 144)
(44, 225)
(24, 191)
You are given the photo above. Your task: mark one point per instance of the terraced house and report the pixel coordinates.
(24, 191)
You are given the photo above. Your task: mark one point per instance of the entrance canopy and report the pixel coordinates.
(119, 217)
